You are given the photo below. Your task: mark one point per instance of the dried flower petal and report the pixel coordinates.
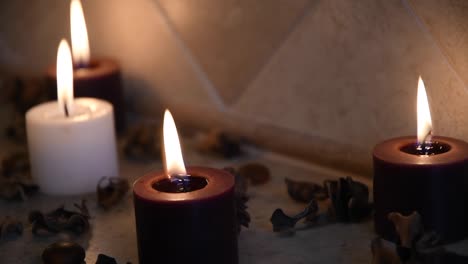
(220, 143)
(111, 190)
(282, 222)
(60, 220)
(10, 227)
(64, 253)
(302, 191)
(256, 173)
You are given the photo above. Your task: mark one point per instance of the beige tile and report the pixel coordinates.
(446, 20)
(348, 75)
(156, 70)
(232, 39)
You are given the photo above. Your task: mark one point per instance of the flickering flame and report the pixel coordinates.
(79, 34)
(424, 114)
(64, 78)
(172, 151)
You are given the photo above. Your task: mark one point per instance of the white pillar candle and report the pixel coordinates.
(71, 142)
(70, 154)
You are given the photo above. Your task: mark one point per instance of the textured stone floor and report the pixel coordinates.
(113, 231)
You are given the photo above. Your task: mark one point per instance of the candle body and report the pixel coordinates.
(70, 154)
(436, 186)
(101, 79)
(192, 227)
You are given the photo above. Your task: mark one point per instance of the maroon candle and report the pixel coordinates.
(99, 78)
(197, 226)
(434, 185)
(425, 175)
(185, 216)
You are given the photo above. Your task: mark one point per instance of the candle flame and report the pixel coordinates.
(64, 78)
(424, 114)
(79, 34)
(174, 164)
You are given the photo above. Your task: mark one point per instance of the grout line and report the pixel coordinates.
(201, 74)
(407, 5)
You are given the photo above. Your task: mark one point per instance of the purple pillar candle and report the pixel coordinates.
(432, 182)
(187, 221)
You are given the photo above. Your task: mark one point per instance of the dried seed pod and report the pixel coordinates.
(60, 220)
(17, 162)
(382, 254)
(350, 199)
(64, 253)
(283, 222)
(10, 227)
(103, 259)
(407, 227)
(256, 173)
(241, 199)
(111, 190)
(143, 142)
(220, 143)
(302, 191)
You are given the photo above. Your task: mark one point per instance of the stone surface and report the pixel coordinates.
(113, 231)
(233, 39)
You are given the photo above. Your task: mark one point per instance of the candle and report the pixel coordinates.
(185, 216)
(427, 174)
(71, 142)
(98, 78)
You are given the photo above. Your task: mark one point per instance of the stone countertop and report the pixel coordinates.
(113, 231)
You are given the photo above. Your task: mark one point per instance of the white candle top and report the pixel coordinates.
(85, 109)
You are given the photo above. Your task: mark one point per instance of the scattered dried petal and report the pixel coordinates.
(103, 259)
(407, 227)
(111, 190)
(256, 173)
(64, 253)
(382, 254)
(220, 143)
(60, 220)
(143, 142)
(241, 199)
(302, 191)
(10, 227)
(283, 222)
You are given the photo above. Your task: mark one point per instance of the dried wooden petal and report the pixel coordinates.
(407, 227)
(282, 222)
(256, 173)
(60, 220)
(64, 253)
(220, 143)
(302, 191)
(111, 190)
(143, 142)
(10, 227)
(103, 259)
(382, 254)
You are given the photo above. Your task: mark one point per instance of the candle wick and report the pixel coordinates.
(182, 182)
(67, 114)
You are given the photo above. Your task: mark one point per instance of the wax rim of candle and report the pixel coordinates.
(220, 183)
(99, 67)
(426, 149)
(49, 112)
(389, 151)
(192, 183)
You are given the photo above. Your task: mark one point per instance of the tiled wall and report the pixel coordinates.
(320, 79)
